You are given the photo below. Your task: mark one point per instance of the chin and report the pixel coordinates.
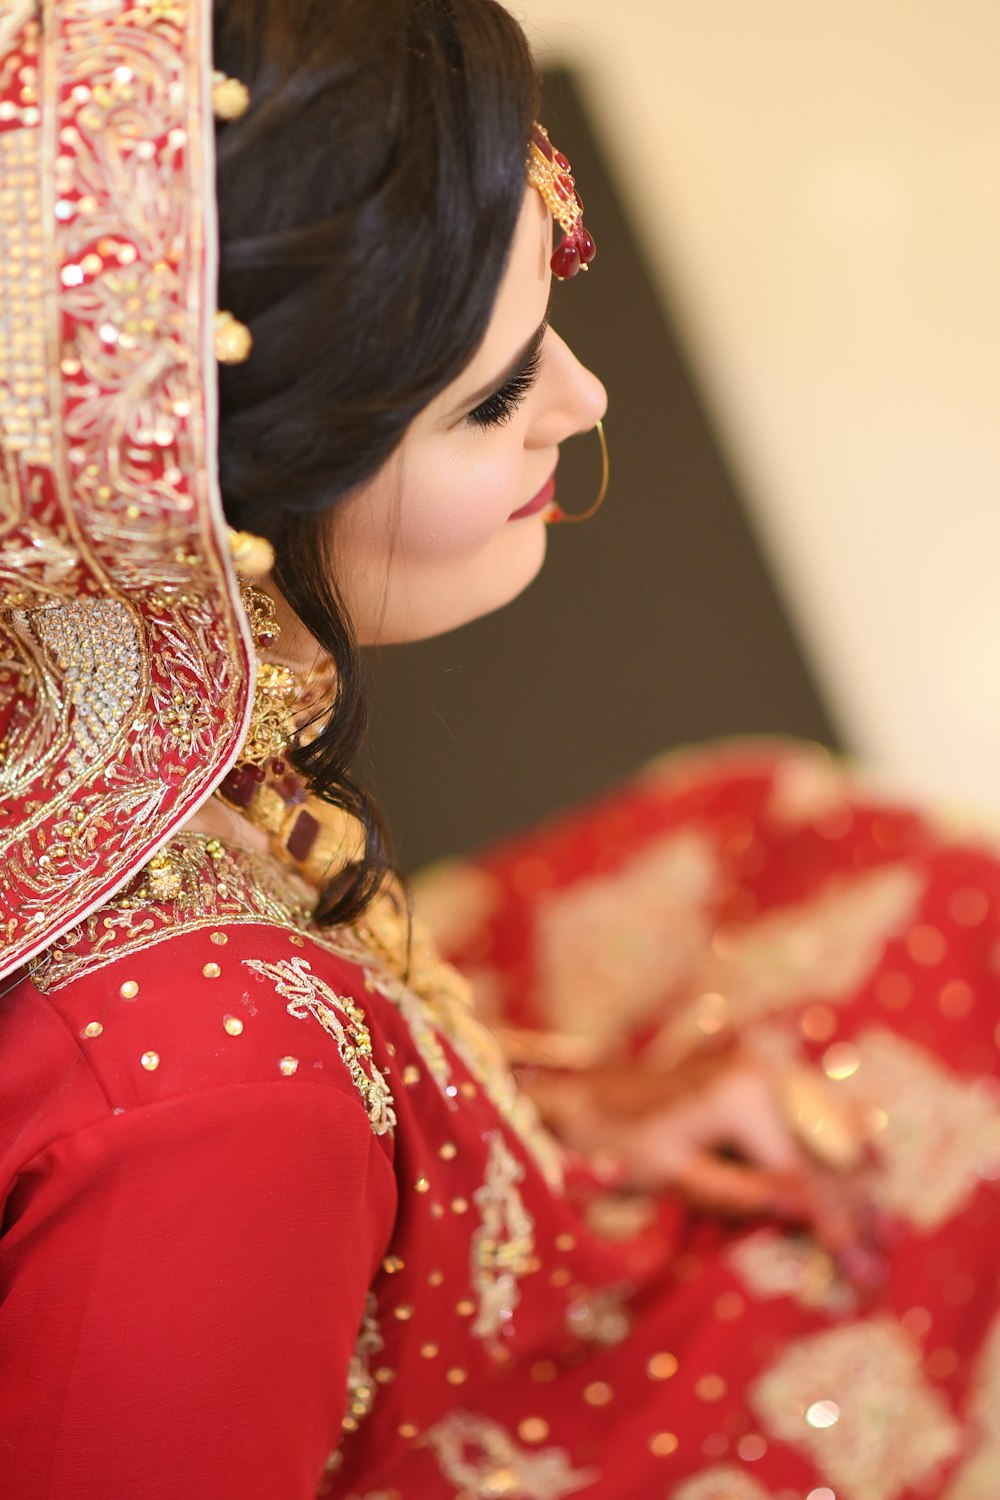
(446, 603)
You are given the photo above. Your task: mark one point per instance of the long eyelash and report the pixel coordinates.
(501, 406)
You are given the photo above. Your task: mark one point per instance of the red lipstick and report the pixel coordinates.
(539, 502)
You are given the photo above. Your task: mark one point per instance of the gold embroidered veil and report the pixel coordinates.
(126, 665)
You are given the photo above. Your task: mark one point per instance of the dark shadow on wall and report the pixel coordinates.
(654, 625)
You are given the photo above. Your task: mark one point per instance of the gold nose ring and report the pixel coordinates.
(559, 515)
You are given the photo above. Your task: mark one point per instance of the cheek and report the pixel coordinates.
(454, 503)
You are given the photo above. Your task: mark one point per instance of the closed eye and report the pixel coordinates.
(499, 407)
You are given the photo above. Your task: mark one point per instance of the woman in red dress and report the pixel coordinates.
(278, 1219)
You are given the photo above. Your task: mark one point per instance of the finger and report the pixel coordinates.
(740, 1110)
(739, 1191)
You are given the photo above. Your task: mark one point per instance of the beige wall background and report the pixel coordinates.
(816, 186)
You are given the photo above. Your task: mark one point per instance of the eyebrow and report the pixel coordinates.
(520, 362)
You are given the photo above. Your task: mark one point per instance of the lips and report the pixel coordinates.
(539, 502)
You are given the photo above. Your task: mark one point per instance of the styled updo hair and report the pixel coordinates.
(367, 203)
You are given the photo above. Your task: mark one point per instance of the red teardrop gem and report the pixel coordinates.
(585, 245)
(561, 161)
(565, 261)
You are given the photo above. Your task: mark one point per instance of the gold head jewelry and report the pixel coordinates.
(233, 340)
(253, 556)
(230, 97)
(555, 514)
(551, 175)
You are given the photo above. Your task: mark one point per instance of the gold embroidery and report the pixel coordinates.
(308, 995)
(977, 1477)
(361, 1385)
(855, 1400)
(503, 1245)
(634, 935)
(821, 949)
(482, 1459)
(435, 1000)
(773, 1264)
(103, 345)
(942, 1131)
(722, 1483)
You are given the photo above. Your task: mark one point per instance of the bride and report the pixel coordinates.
(708, 1213)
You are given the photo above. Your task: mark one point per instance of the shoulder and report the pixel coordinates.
(164, 1015)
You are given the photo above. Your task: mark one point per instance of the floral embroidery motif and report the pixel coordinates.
(977, 1477)
(635, 934)
(855, 1400)
(772, 1264)
(821, 949)
(361, 1387)
(485, 1461)
(503, 1245)
(308, 995)
(942, 1133)
(722, 1483)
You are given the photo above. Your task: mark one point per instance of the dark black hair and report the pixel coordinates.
(367, 202)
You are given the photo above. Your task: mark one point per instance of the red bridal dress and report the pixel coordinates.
(279, 1224)
(276, 1220)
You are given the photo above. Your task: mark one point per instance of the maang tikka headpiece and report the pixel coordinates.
(550, 173)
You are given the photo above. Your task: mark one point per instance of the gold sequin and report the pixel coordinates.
(384, 1375)
(407, 1429)
(211, 971)
(710, 1388)
(926, 945)
(565, 1241)
(598, 1393)
(661, 1366)
(92, 1029)
(437, 1211)
(841, 1061)
(456, 1376)
(467, 1090)
(221, 938)
(404, 1312)
(411, 1074)
(287, 1066)
(448, 1151)
(429, 1351)
(561, 1277)
(150, 1061)
(129, 990)
(391, 1264)
(663, 1443)
(233, 1025)
(459, 1205)
(465, 1308)
(533, 1430)
(436, 1278)
(422, 1185)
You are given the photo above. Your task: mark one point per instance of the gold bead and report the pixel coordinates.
(421, 1185)
(129, 990)
(150, 1061)
(287, 1066)
(233, 1025)
(233, 340)
(230, 97)
(211, 971)
(92, 1029)
(253, 556)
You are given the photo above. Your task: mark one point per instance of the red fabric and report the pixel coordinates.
(189, 1252)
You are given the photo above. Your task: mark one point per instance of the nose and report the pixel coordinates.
(572, 397)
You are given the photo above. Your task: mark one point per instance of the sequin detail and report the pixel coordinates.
(893, 1428)
(341, 1019)
(479, 1457)
(503, 1246)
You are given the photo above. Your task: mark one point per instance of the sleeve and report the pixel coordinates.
(183, 1286)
